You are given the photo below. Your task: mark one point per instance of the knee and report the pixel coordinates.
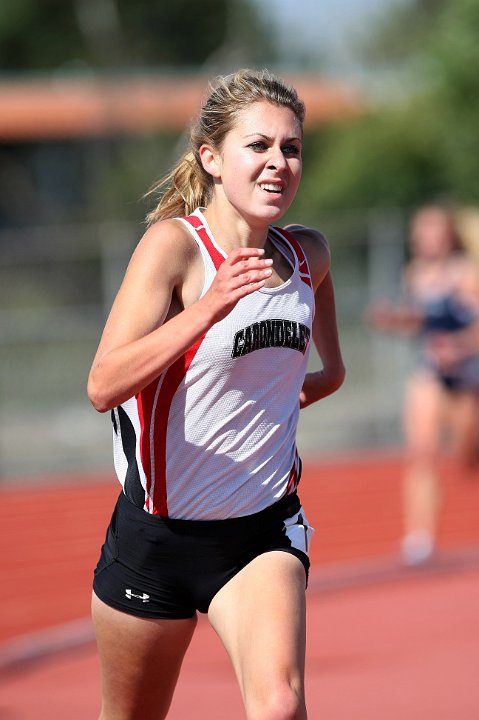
(421, 464)
(282, 703)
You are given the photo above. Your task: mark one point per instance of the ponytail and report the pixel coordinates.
(184, 189)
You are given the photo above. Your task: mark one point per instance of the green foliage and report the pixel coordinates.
(415, 150)
(114, 34)
(377, 161)
(401, 30)
(182, 33)
(454, 49)
(37, 35)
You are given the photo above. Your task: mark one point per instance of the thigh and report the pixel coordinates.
(464, 425)
(140, 661)
(260, 617)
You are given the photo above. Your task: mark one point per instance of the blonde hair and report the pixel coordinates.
(188, 186)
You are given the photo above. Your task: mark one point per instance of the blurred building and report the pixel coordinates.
(36, 109)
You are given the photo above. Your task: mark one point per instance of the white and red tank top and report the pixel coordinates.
(214, 436)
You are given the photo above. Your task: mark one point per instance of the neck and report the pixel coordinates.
(231, 230)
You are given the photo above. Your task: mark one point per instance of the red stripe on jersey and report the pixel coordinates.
(213, 252)
(303, 263)
(293, 476)
(145, 400)
(171, 381)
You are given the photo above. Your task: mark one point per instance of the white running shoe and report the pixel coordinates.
(417, 548)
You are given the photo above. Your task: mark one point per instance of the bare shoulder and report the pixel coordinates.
(166, 246)
(160, 267)
(316, 249)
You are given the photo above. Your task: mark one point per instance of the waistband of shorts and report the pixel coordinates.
(284, 508)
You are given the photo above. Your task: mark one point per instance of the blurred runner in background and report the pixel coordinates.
(441, 410)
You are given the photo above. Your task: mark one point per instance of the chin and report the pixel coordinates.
(263, 214)
(272, 212)
(264, 219)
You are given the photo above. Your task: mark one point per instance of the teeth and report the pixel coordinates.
(270, 187)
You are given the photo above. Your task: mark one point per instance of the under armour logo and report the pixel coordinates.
(130, 595)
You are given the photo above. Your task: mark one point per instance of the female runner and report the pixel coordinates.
(203, 365)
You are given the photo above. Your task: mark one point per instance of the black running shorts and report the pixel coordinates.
(157, 567)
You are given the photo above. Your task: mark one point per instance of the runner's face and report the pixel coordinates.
(260, 161)
(432, 234)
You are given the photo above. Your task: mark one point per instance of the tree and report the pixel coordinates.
(454, 53)
(114, 34)
(419, 142)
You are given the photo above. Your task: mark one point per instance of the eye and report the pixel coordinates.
(258, 146)
(293, 150)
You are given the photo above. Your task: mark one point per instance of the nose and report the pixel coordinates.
(276, 158)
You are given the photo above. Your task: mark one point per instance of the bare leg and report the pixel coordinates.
(421, 499)
(422, 484)
(140, 662)
(260, 617)
(465, 428)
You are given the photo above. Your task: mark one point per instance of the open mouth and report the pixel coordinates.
(271, 188)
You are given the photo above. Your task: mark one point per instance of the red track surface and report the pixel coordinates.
(403, 649)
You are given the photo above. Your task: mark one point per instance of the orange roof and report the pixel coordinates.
(64, 107)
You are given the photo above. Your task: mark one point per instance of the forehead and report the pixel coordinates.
(266, 118)
(431, 219)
